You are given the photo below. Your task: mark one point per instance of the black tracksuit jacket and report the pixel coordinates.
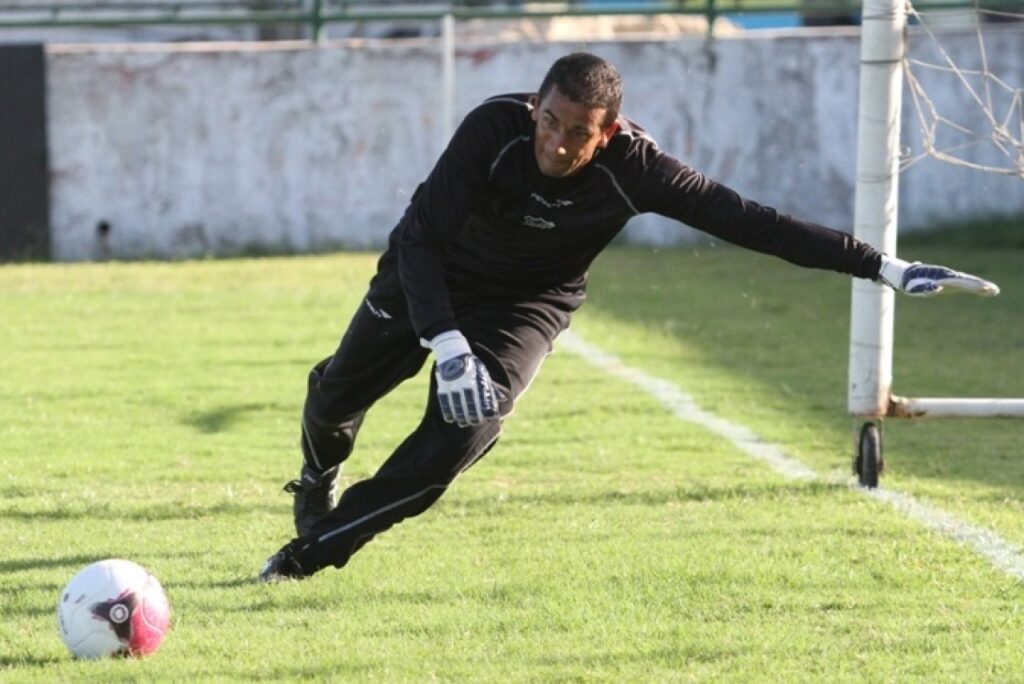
(487, 223)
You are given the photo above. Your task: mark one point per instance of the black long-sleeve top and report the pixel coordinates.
(487, 221)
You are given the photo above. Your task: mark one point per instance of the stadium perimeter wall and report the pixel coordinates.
(181, 150)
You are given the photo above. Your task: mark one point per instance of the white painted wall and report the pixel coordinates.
(221, 148)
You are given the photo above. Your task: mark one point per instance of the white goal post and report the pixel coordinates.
(875, 222)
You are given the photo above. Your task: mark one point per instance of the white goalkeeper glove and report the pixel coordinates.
(464, 387)
(926, 280)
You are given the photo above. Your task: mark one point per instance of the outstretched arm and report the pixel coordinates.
(673, 189)
(927, 280)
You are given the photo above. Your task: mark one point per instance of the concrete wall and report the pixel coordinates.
(183, 150)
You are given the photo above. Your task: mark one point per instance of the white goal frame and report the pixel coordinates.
(875, 222)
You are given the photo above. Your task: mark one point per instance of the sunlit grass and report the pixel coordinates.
(150, 411)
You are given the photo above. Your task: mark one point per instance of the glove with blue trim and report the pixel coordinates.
(926, 280)
(465, 391)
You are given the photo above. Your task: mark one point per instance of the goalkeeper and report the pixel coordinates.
(486, 268)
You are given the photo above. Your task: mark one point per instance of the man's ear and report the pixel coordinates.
(608, 132)
(534, 104)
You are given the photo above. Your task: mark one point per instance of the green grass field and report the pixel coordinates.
(149, 411)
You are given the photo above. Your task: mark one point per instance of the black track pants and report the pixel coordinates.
(378, 351)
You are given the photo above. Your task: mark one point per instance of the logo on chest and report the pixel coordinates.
(537, 222)
(550, 204)
(542, 223)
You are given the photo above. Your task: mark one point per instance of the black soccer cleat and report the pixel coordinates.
(316, 495)
(282, 567)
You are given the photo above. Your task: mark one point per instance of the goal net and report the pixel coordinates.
(964, 71)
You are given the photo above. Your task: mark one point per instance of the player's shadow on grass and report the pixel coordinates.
(225, 417)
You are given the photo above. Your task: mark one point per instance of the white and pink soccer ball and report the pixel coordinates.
(113, 608)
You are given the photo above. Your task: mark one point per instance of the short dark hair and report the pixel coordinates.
(588, 80)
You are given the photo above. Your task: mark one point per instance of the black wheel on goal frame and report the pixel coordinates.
(868, 464)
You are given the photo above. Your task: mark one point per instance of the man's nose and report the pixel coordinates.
(556, 146)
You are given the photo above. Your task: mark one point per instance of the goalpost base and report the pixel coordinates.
(869, 396)
(922, 407)
(869, 461)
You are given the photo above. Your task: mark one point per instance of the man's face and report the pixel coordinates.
(567, 134)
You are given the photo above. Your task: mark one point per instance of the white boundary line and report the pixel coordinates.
(1002, 554)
